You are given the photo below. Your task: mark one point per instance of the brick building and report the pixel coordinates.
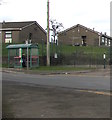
(19, 32)
(81, 35)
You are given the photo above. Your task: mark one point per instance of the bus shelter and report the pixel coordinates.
(23, 55)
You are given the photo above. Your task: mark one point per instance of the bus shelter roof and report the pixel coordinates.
(17, 46)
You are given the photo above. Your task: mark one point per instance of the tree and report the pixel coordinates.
(56, 27)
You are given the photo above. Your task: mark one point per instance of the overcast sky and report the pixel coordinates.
(90, 13)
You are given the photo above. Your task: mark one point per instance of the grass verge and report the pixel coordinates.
(62, 68)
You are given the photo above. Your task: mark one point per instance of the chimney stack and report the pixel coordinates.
(3, 21)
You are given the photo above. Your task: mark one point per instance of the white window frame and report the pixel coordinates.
(8, 37)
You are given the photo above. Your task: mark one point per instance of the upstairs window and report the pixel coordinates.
(8, 37)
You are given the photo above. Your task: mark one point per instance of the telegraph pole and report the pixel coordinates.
(48, 34)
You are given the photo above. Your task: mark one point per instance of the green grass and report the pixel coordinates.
(5, 50)
(61, 68)
(88, 49)
(65, 49)
(68, 51)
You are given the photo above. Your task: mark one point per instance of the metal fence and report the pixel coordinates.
(75, 58)
(72, 55)
(78, 59)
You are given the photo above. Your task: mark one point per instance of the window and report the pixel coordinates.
(109, 42)
(103, 39)
(106, 41)
(8, 37)
(30, 36)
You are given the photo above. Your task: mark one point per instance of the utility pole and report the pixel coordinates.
(48, 34)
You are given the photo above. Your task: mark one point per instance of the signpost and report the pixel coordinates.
(104, 57)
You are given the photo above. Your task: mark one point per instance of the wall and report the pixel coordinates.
(74, 36)
(23, 35)
(37, 34)
(3, 36)
(15, 36)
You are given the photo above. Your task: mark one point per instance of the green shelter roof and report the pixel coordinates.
(16, 46)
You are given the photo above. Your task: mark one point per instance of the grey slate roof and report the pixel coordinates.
(19, 25)
(91, 30)
(16, 24)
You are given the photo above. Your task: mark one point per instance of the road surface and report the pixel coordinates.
(52, 96)
(69, 81)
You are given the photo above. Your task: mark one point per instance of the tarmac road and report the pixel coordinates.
(55, 96)
(36, 101)
(69, 81)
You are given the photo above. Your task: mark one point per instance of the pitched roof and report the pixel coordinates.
(16, 24)
(19, 25)
(78, 25)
